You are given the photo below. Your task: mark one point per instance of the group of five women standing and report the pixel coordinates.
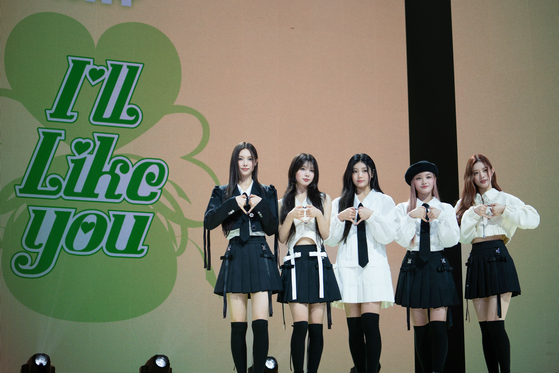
(361, 222)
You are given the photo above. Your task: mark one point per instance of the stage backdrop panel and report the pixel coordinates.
(507, 69)
(119, 117)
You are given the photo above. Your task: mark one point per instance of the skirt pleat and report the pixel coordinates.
(307, 278)
(490, 271)
(426, 284)
(248, 267)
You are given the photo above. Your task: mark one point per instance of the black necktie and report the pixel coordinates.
(363, 255)
(424, 237)
(245, 230)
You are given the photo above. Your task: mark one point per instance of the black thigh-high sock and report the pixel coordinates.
(373, 342)
(316, 345)
(260, 344)
(298, 345)
(439, 344)
(239, 345)
(501, 343)
(423, 346)
(489, 352)
(357, 344)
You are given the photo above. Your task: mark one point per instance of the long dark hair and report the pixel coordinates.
(234, 167)
(313, 194)
(234, 178)
(349, 189)
(470, 188)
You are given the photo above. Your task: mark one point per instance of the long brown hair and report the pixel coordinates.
(470, 188)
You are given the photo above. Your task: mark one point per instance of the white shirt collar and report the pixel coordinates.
(248, 191)
(434, 202)
(366, 202)
(490, 195)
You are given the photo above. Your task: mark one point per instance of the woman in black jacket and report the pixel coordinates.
(247, 212)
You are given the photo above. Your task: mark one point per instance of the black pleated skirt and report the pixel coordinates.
(426, 284)
(248, 267)
(308, 279)
(490, 271)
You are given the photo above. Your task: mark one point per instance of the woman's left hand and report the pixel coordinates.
(253, 201)
(433, 213)
(364, 214)
(312, 212)
(497, 209)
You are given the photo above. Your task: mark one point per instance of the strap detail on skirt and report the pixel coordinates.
(266, 257)
(207, 254)
(498, 258)
(226, 258)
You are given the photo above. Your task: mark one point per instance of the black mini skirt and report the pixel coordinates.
(248, 267)
(490, 271)
(426, 284)
(308, 278)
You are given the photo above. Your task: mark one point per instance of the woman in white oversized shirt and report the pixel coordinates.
(309, 284)
(425, 283)
(365, 281)
(488, 219)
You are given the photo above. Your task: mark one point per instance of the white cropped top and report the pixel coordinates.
(516, 215)
(304, 228)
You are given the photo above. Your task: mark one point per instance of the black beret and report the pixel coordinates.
(419, 167)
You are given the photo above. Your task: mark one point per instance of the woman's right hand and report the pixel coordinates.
(348, 214)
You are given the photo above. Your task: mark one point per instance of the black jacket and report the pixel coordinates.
(265, 213)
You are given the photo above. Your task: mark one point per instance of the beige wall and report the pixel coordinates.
(325, 77)
(506, 69)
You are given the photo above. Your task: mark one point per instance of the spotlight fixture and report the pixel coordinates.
(157, 364)
(271, 365)
(38, 363)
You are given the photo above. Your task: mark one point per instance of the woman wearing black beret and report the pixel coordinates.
(425, 285)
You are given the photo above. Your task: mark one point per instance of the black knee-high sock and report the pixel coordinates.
(423, 346)
(239, 345)
(373, 342)
(439, 344)
(316, 345)
(357, 344)
(298, 345)
(501, 343)
(489, 352)
(260, 344)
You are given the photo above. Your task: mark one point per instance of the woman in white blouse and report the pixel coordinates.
(308, 280)
(425, 284)
(362, 223)
(488, 218)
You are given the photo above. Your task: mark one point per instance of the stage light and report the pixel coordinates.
(271, 365)
(157, 364)
(38, 363)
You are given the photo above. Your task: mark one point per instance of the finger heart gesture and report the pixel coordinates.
(364, 214)
(253, 201)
